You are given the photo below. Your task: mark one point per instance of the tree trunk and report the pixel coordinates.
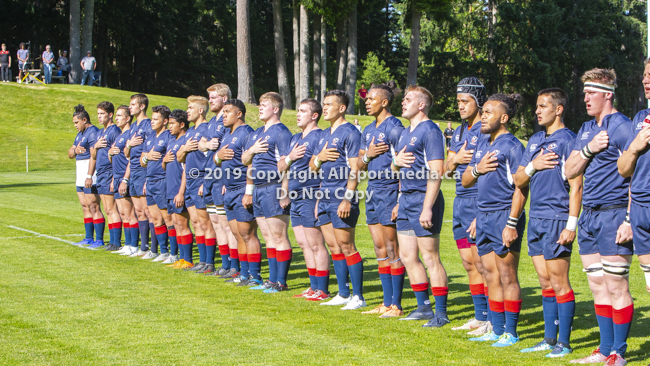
(492, 20)
(316, 52)
(351, 74)
(296, 50)
(75, 40)
(412, 77)
(323, 57)
(244, 60)
(89, 21)
(341, 52)
(280, 59)
(304, 54)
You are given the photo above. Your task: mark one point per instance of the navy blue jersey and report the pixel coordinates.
(76, 143)
(88, 139)
(347, 139)
(233, 172)
(299, 173)
(640, 185)
(174, 169)
(195, 160)
(110, 133)
(549, 189)
(265, 165)
(388, 132)
(473, 136)
(495, 189)
(215, 130)
(426, 143)
(142, 129)
(157, 143)
(120, 161)
(603, 185)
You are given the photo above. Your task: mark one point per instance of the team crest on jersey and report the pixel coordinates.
(254, 137)
(413, 139)
(175, 146)
(305, 144)
(533, 147)
(161, 143)
(640, 125)
(382, 136)
(551, 146)
(496, 152)
(585, 136)
(83, 139)
(335, 141)
(197, 134)
(234, 139)
(219, 127)
(292, 144)
(474, 139)
(148, 143)
(121, 140)
(266, 138)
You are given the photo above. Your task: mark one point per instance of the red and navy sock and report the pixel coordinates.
(90, 229)
(479, 300)
(355, 267)
(127, 233)
(397, 281)
(162, 235)
(200, 244)
(271, 256)
(143, 227)
(255, 265)
(186, 242)
(386, 283)
(243, 262)
(440, 297)
(551, 316)
(111, 233)
(135, 234)
(421, 291)
(100, 225)
(284, 262)
(234, 259)
(487, 301)
(154, 238)
(322, 281)
(173, 243)
(312, 278)
(210, 250)
(224, 252)
(512, 308)
(118, 233)
(341, 273)
(498, 317)
(606, 325)
(622, 319)
(566, 306)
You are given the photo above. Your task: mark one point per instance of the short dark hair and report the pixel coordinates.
(107, 107)
(128, 113)
(510, 102)
(558, 96)
(80, 112)
(314, 106)
(162, 109)
(181, 117)
(385, 91)
(239, 104)
(141, 99)
(21, 45)
(343, 97)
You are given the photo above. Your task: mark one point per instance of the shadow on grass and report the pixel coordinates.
(30, 185)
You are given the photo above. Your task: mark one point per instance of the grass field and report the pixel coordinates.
(64, 305)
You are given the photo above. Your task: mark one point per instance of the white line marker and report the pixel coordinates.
(39, 234)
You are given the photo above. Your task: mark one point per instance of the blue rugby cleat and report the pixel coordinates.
(506, 340)
(487, 337)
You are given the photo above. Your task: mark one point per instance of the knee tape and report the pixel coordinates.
(646, 271)
(594, 270)
(407, 232)
(382, 259)
(220, 210)
(212, 209)
(621, 269)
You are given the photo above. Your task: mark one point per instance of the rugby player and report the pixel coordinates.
(86, 183)
(604, 234)
(218, 94)
(421, 205)
(635, 157)
(554, 208)
(104, 169)
(194, 160)
(501, 219)
(262, 155)
(156, 187)
(137, 174)
(120, 182)
(470, 97)
(378, 143)
(338, 154)
(302, 187)
(235, 188)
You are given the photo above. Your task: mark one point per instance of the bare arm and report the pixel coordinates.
(575, 165)
(71, 152)
(203, 146)
(575, 196)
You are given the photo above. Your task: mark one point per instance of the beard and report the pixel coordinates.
(490, 128)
